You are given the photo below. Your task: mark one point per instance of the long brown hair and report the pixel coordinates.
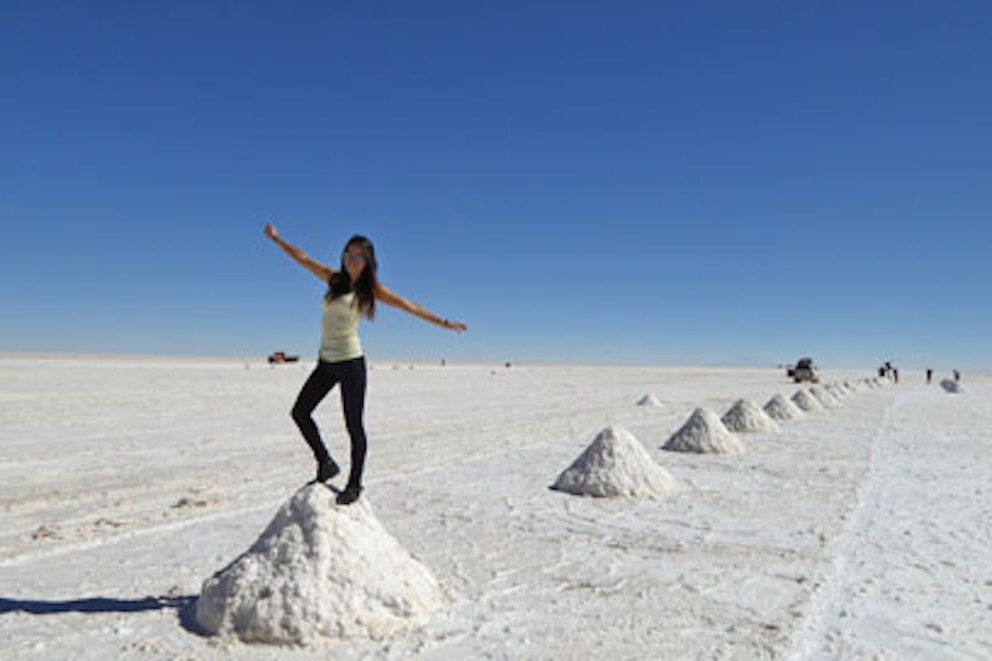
(340, 283)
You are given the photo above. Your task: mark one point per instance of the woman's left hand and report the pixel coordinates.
(456, 326)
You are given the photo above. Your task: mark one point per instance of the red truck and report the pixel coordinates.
(280, 357)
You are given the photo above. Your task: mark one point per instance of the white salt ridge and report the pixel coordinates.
(825, 398)
(745, 416)
(319, 570)
(704, 433)
(648, 400)
(805, 401)
(616, 465)
(781, 409)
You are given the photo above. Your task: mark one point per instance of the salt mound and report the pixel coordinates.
(782, 409)
(838, 391)
(704, 433)
(806, 401)
(951, 386)
(319, 570)
(825, 398)
(648, 400)
(745, 416)
(616, 464)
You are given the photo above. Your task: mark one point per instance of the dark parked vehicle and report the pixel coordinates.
(280, 357)
(804, 370)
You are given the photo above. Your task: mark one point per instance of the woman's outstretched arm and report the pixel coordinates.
(322, 271)
(392, 299)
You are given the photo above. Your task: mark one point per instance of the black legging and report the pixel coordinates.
(352, 377)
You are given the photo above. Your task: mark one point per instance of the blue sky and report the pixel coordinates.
(634, 182)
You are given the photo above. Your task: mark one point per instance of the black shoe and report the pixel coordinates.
(349, 495)
(327, 470)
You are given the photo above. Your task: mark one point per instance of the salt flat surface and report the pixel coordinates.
(859, 532)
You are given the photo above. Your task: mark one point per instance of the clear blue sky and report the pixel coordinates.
(637, 182)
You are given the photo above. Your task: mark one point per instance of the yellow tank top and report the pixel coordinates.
(339, 337)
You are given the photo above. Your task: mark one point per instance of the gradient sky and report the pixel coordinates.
(635, 182)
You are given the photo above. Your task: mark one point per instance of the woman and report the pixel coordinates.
(352, 293)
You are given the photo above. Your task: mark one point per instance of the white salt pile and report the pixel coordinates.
(704, 433)
(616, 465)
(745, 416)
(951, 386)
(825, 398)
(838, 391)
(648, 400)
(319, 570)
(781, 409)
(806, 401)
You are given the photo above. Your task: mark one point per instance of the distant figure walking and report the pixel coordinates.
(929, 375)
(353, 291)
(957, 375)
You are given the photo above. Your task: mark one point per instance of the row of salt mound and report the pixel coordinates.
(704, 433)
(782, 409)
(319, 570)
(827, 400)
(616, 465)
(806, 401)
(745, 416)
(850, 387)
(835, 391)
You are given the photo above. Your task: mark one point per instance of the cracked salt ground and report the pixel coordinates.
(911, 574)
(851, 532)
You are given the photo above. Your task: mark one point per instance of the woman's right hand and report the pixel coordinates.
(322, 271)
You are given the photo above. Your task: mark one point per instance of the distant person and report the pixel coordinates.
(957, 375)
(352, 292)
(929, 375)
(895, 374)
